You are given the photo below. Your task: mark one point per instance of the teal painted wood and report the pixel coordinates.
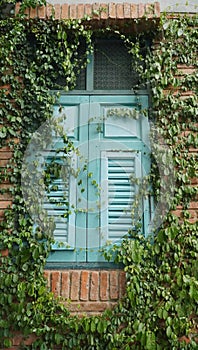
(115, 135)
(118, 193)
(111, 135)
(75, 109)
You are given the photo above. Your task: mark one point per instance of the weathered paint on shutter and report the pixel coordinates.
(72, 230)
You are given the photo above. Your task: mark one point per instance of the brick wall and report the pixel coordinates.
(5, 198)
(90, 291)
(87, 291)
(183, 71)
(5, 155)
(99, 11)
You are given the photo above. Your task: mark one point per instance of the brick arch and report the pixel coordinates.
(99, 12)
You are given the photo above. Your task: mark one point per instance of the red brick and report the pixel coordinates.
(120, 11)
(127, 10)
(3, 162)
(57, 9)
(104, 13)
(96, 10)
(114, 292)
(17, 7)
(141, 10)
(30, 339)
(49, 10)
(88, 9)
(122, 283)
(5, 186)
(184, 66)
(75, 284)
(104, 285)
(149, 10)
(5, 196)
(33, 12)
(112, 10)
(65, 11)
(65, 284)
(185, 339)
(5, 204)
(55, 282)
(2, 214)
(41, 11)
(80, 10)
(89, 306)
(47, 276)
(94, 286)
(194, 181)
(84, 288)
(72, 11)
(5, 155)
(193, 216)
(17, 339)
(186, 70)
(157, 9)
(192, 205)
(27, 12)
(4, 252)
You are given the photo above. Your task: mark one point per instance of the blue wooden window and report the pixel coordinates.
(111, 135)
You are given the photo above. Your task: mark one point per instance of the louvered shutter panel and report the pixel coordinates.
(118, 139)
(60, 197)
(118, 192)
(71, 230)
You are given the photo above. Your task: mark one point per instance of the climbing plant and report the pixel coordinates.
(159, 310)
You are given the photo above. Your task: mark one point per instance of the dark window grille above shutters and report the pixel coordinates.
(113, 66)
(81, 80)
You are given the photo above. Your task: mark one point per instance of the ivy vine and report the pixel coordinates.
(159, 310)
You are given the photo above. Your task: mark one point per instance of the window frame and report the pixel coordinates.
(91, 92)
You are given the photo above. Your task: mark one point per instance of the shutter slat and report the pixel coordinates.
(121, 194)
(117, 235)
(119, 170)
(121, 198)
(118, 228)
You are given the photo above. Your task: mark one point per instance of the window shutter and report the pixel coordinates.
(60, 199)
(71, 230)
(111, 136)
(119, 150)
(118, 192)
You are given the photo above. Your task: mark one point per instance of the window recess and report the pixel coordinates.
(111, 136)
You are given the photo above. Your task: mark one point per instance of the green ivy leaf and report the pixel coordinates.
(168, 331)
